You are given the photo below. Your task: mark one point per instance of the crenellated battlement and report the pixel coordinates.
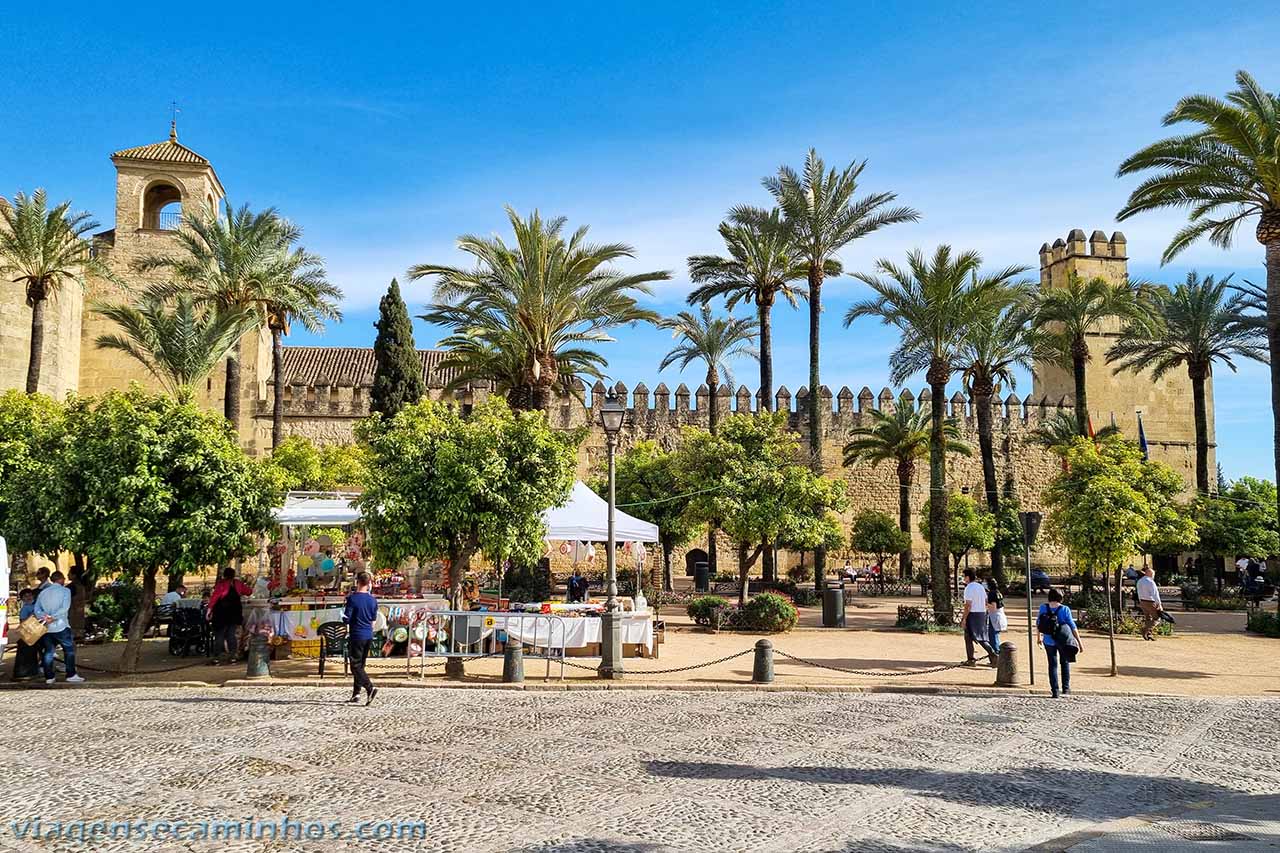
(1098, 245)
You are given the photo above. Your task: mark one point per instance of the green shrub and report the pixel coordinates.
(800, 574)
(710, 611)
(1264, 622)
(526, 583)
(769, 612)
(113, 608)
(805, 596)
(1094, 618)
(1195, 597)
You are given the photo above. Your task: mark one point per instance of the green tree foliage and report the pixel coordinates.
(876, 533)
(441, 485)
(178, 341)
(42, 250)
(31, 426)
(397, 371)
(141, 483)
(756, 489)
(969, 527)
(1110, 503)
(302, 466)
(526, 315)
(647, 484)
(1238, 521)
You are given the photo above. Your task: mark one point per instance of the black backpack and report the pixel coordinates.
(1047, 622)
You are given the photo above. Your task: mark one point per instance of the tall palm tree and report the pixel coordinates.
(714, 341)
(43, 249)
(900, 437)
(1200, 322)
(542, 298)
(1059, 430)
(991, 351)
(933, 302)
(1225, 172)
(227, 258)
(296, 290)
(824, 215)
(180, 341)
(762, 264)
(1068, 314)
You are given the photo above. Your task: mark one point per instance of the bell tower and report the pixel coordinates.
(1166, 405)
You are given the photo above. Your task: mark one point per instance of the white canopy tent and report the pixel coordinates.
(320, 508)
(585, 517)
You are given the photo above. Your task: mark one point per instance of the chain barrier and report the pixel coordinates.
(80, 666)
(673, 669)
(870, 672)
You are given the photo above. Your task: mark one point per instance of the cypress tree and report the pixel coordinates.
(397, 372)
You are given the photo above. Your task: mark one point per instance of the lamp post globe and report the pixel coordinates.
(612, 414)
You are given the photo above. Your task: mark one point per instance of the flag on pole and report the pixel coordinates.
(1089, 421)
(1142, 438)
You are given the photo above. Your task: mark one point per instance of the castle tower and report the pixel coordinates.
(155, 184)
(1166, 405)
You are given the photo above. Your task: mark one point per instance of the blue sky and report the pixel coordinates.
(389, 130)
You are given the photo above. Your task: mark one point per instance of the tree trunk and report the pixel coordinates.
(277, 403)
(36, 297)
(231, 394)
(986, 446)
(938, 545)
(1079, 357)
(713, 403)
(1273, 341)
(541, 397)
(770, 570)
(666, 567)
(744, 570)
(766, 357)
(1111, 620)
(138, 625)
(459, 562)
(815, 413)
(712, 561)
(906, 471)
(1198, 373)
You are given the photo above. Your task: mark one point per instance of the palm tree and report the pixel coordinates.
(933, 303)
(762, 265)
(295, 291)
(825, 217)
(179, 342)
(538, 301)
(227, 259)
(1057, 431)
(991, 351)
(714, 341)
(43, 250)
(1223, 173)
(1200, 322)
(900, 437)
(1067, 315)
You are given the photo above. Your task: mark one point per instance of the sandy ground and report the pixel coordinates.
(1210, 655)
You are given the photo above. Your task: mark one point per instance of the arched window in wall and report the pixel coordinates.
(162, 207)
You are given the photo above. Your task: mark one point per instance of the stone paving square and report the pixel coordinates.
(648, 771)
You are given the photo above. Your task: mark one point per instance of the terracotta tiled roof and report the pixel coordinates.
(169, 151)
(352, 364)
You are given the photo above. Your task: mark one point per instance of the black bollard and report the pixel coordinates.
(259, 664)
(513, 662)
(1007, 665)
(762, 670)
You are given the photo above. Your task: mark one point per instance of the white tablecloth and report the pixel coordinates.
(572, 633)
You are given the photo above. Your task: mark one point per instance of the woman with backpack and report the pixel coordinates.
(1060, 639)
(226, 614)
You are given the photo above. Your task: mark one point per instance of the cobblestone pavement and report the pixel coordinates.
(634, 770)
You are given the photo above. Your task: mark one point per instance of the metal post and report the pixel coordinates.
(762, 667)
(611, 623)
(1031, 656)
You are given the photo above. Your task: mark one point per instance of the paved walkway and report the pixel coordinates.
(642, 770)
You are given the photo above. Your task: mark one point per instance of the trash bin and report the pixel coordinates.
(701, 577)
(833, 605)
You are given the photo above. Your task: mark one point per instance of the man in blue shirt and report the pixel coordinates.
(52, 606)
(360, 613)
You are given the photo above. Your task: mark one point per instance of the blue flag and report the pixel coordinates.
(1142, 438)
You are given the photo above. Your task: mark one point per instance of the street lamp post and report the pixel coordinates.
(612, 413)
(1030, 527)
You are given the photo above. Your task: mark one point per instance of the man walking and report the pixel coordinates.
(1149, 602)
(359, 614)
(975, 619)
(52, 606)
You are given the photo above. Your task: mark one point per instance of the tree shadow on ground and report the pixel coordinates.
(874, 664)
(208, 700)
(1104, 671)
(593, 845)
(1036, 788)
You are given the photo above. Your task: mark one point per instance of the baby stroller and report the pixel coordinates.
(188, 633)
